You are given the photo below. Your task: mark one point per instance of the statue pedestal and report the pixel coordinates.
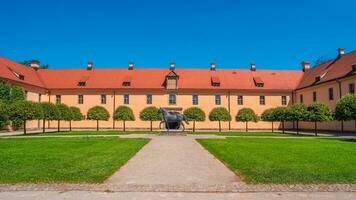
(173, 133)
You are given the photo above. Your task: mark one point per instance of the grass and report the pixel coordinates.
(271, 160)
(247, 134)
(74, 160)
(108, 132)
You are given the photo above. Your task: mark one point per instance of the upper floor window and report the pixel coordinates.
(301, 98)
(352, 88)
(284, 100)
(103, 99)
(172, 99)
(149, 99)
(314, 96)
(195, 99)
(331, 94)
(262, 100)
(240, 100)
(126, 99)
(80, 99)
(217, 100)
(58, 99)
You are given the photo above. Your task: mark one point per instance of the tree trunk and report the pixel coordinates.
(297, 127)
(44, 126)
(342, 126)
(355, 125)
(194, 126)
(113, 124)
(97, 125)
(70, 125)
(246, 126)
(316, 128)
(219, 126)
(272, 128)
(24, 127)
(59, 124)
(151, 125)
(282, 126)
(124, 125)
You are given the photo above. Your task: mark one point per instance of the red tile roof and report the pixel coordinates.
(152, 78)
(330, 70)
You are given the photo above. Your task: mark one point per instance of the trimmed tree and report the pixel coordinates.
(280, 114)
(318, 112)
(246, 115)
(98, 113)
(345, 109)
(76, 115)
(124, 113)
(297, 112)
(4, 115)
(219, 114)
(268, 116)
(194, 114)
(50, 112)
(11, 93)
(64, 114)
(22, 111)
(150, 114)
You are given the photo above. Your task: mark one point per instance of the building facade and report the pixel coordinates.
(178, 89)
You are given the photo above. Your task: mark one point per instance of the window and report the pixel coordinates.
(149, 99)
(301, 98)
(240, 100)
(217, 100)
(314, 96)
(284, 100)
(172, 99)
(26, 93)
(103, 99)
(352, 88)
(331, 94)
(195, 99)
(81, 83)
(39, 97)
(126, 99)
(126, 83)
(80, 99)
(262, 100)
(58, 99)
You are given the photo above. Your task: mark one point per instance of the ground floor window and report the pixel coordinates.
(172, 100)
(262, 100)
(217, 100)
(352, 88)
(126, 99)
(284, 100)
(195, 100)
(314, 96)
(240, 100)
(301, 98)
(103, 99)
(58, 99)
(149, 99)
(80, 99)
(331, 94)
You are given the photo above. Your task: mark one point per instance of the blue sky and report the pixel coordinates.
(233, 33)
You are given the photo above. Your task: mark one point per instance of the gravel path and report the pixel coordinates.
(173, 160)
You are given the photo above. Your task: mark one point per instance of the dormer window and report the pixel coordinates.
(171, 81)
(127, 81)
(17, 74)
(83, 81)
(317, 79)
(258, 81)
(215, 81)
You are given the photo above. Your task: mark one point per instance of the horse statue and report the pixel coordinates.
(170, 118)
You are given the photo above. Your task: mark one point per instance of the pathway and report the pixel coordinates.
(173, 160)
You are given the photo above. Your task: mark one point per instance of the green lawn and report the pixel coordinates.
(72, 160)
(109, 132)
(287, 160)
(246, 134)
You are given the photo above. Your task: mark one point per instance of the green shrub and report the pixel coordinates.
(22, 111)
(98, 113)
(194, 114)
(124, 113)
(219, 114)
(246, 115)
(150, 114)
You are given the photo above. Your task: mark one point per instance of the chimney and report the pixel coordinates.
(253, 67)
(131, 65)
(340, 51)
(35, 64)
(172, 66)
(305, 66)
(212, 66)
(90, 65)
